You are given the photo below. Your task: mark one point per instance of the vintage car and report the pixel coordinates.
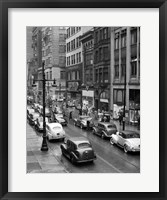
(47, 112)
(82, 121)
(105, 129)
(59, 118)
(78, 150)
(39, 123)
(32, 118)
(54, 131)
(128, 140)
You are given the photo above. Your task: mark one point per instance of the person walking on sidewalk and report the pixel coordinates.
(120, 118)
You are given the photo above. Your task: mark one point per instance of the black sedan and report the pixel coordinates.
(78, 150)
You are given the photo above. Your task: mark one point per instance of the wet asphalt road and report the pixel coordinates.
(110, 158)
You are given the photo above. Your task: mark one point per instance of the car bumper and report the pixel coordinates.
(56, 137)
(135, 150)
(83, 161)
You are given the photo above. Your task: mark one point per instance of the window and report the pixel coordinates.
(134, 36)
(123, 39)
(101, 34)
(116, 71)
(105, 33)
(134, 67)
(117, 41)
(100, 54)
(96, 57)
(106, 74)
(123, 67)
(96, 37)
(77, 42)
(79, 56)
(62, 75)
(106, 53)
(74, 58)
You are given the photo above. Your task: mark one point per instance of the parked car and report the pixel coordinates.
(33, 117)
(105, 129)
(55, 131)
(129, 140)
(78, 150)
(39, 123)
(82, 121)
(29, 112)
(47, 112)
(59, 118)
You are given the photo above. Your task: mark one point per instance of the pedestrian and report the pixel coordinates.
(88, 125)
(120, 118)
(70, 115)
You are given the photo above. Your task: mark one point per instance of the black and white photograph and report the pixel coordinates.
(83, 99)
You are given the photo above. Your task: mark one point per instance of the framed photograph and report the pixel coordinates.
(83, 99)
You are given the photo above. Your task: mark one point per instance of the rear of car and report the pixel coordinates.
(55, 131)
(110, 129)
(85, 153)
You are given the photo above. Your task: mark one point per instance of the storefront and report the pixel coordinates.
(88, 98)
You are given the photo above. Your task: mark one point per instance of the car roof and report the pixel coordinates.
(78, 140)
(51, 125)
(106, 123)
(126, 132)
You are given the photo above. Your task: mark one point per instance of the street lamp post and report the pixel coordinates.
(124, 99)
(44, 146)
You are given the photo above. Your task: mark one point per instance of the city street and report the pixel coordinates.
(110, 159)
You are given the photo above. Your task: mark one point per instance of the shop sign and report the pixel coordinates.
(73, 86)
(88, 93)
(104, 100)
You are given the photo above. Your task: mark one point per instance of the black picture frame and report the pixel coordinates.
(4, 5)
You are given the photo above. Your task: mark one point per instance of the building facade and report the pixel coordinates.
(87, 40)
(102, 67)
(74, 61)
(54, 57)
(125, 72)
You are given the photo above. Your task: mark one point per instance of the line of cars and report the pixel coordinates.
(54, 130)
(128, 140)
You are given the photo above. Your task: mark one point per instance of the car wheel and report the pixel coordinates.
(81, 126)
(72, 160)
(102, 135)
(93, 131)
(111, 141)
(74, 124)
(125, 148)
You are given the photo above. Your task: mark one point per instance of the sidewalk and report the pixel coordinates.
(41, 161)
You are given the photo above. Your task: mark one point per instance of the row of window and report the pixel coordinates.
(72, 31)
(102, 54)
(62, 61)
(74, 59)
(121, 37)
(101, 34)
(102, 74)
(75, 43)
(133, 70)
(88, 45)
(73, 75)
(48, 75)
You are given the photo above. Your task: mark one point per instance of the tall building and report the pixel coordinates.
(74, 61)
(54, 57)
(87, 41)
(125, 71)
(102, 67)
(35, 62)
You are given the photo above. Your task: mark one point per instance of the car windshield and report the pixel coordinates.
(59, 115)
(56, 128)
(40, 119)
(132, 135)
(84, 145)
(111, 126)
